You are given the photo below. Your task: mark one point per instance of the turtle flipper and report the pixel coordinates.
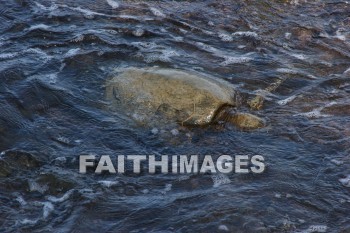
(257, 102)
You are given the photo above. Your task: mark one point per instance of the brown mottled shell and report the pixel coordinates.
(160, 94)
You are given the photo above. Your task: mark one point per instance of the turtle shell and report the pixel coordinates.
(168, 95)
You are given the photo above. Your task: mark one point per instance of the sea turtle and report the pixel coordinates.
(161, 95)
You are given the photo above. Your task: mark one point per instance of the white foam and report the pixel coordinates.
(60, 159)
(50, 8)
(86, 12)
(28, 221)
(299, 56)
(183, 30)
(183, 177)
(88, 193)
(316, 228)
(63, 139)
(235, 60)
(286, 71)
(287, 100)
(337, 162)
(295, 71)
(223, 228)
(93, 31)
(5, 56)
(178, 38)
(207, 32)
(347, 71)
(174, 132)
(144, 191)
(152, 52)
(47, 209)
(113, 4)
(330, 104)
(21, 201)
(211, 23)
(60, 199)
(72, 52)
(78, 38)
(345, 181)
(144, 45)
(108, 183)
(110, 31)
(225, 37)
(129, 17)
(316, 113)
(138, 117)
(220, 179)
(264, 93)
(35, 50)
(157, 12)
(164, 57)
(39, 26)
(154, 131)
(287, 35)
(38, 51)
(138, 32)
(167, 188)
(78, 141)
(246, 33)
(206, 47)
(340, 35)
(310, 76)
(34, 186)
(294, 2)
(52, 78)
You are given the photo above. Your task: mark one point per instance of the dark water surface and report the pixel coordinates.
(55, 57)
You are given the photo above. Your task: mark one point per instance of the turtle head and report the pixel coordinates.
(242, 120)
(246, 121)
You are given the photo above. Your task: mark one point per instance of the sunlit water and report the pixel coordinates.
(55, 57)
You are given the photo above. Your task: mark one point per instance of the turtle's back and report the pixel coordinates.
(173, 95)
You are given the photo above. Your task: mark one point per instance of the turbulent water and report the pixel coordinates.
(55, 58)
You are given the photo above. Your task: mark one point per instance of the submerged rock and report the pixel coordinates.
(16, 160)
(154, 96)
(21, 159)
(5, 170)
